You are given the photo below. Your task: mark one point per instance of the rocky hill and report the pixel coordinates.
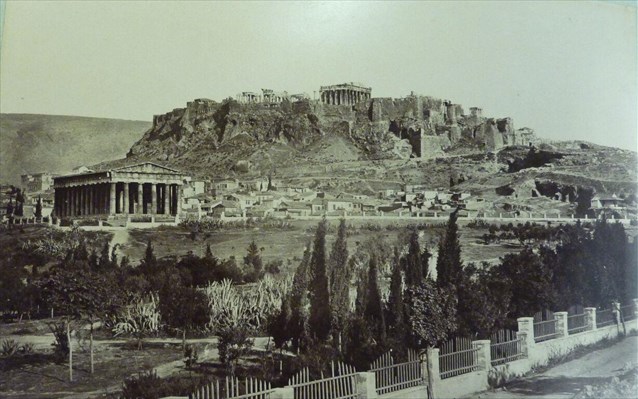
(381, 142)
(32, 143)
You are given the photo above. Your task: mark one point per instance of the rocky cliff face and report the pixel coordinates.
(379, 128)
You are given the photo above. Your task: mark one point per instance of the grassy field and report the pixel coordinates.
(287, 244)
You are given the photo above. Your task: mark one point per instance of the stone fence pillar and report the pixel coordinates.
(522, 335)
(526, 326)
(366, 385)
(636, 307)
(590, 318)
(561, 324)
(432, 370)
(484, 355)
(283, 393)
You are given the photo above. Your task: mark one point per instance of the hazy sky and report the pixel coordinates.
(566, 69)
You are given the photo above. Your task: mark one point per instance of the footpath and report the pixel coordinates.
(567, 379)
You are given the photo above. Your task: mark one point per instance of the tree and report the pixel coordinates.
(298, 325)
(38, 208)
(81, 295)
(19, 207)
(253, 263)
(530, 281)
(182, 307)
(373, 311)
(413, 262)
(396, 309)
(149, 263)
(340, 275)
(319, 319)
(449, 268)
(431, 312)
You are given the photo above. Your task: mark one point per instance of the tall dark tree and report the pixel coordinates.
(253, 263)
(298, 325)
(104, 261)
(149, 263)
(531, 283)
(413, 262)
(449, 268)
(340, 275)
(38, 208)
(395, 312)
(319, 320)
(373, 312)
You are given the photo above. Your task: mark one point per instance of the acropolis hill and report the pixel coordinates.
(413, 126)
(345, 139)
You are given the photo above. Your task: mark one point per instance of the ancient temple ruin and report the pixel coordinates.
(144, 189)
(345, 93)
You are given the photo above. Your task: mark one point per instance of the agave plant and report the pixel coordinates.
(139, 319)
(252, 305)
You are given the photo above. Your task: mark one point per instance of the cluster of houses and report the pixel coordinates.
(262, 198)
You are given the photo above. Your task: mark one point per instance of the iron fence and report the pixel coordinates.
(340, 385)
(544, 326)
(252, 388)
(505, 347)
(605, 317)
(391, 377)
(458, 357)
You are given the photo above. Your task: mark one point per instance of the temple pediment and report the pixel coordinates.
(147, 167)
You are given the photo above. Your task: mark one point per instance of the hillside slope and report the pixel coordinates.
(31, 143)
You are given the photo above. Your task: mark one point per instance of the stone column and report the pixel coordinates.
(153, 198)
(167, 203)
(140, 198)
(112, 199)
(561, 324)
(85, 201)
(91, 199)
(71, 201)
(590, 318)
(178, 198)
(125, 208)
(81, 198)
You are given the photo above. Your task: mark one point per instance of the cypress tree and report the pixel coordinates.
(149, 263)
(449, 268)
(395, 315)
(373, 312)
(413, 263)
(340, 274)
(319, 321)
(299, 300)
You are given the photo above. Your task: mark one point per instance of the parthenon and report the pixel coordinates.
(344, 93)
(145, 188)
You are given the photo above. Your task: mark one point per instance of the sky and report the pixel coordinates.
(566, 69)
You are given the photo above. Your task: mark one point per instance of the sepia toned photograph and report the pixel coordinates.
(318, 199)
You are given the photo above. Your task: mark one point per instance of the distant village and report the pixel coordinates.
(266, 197)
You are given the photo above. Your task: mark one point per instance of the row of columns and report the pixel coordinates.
(118, 198)
(343, 96)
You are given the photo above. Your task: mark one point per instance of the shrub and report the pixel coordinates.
(9, 347)
(27, 348)
(146, 385)
(61, 343)
(190, 356)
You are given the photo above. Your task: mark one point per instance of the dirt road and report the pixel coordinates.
(569, 378)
